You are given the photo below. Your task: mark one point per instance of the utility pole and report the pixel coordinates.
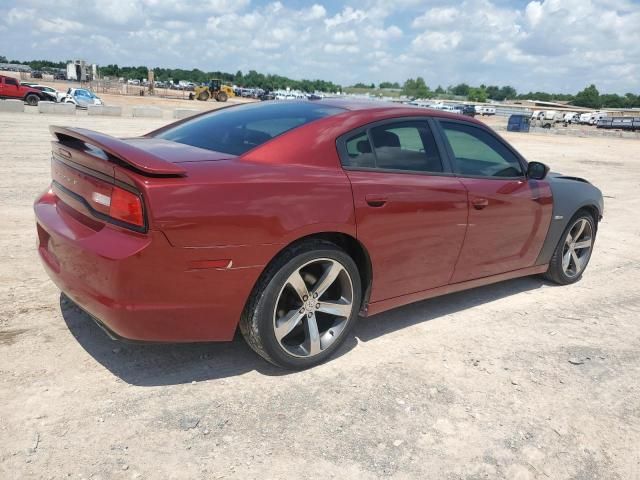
(151, 82)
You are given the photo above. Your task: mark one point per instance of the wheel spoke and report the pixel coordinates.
(313, 335)
(576, 260)
(287, 323)
(566, 260)
(580, 230)
(339, 309)
(297, 283)
(583, 244)
(327, 279)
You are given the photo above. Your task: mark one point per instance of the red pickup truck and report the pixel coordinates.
(11, 88)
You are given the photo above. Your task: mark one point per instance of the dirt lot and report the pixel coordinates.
(518, 380)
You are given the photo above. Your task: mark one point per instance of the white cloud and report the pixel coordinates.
(315, 12)
(436, 41)
(347, 36)
(543, 44)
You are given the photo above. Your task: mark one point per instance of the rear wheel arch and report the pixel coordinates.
(344, 241)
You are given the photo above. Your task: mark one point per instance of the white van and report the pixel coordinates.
(597, 116)
(586, 117)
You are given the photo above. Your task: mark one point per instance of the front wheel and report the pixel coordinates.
(221, 97)
(572, 255)
(304, 305)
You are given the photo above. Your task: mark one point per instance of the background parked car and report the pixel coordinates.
(10, 88)
(550, 118)
(82, 98)
(469, 110)
(482, 110)
(570, 117)
(53, 94)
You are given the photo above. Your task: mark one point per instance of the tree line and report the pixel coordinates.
(251, 79)
(590, 97)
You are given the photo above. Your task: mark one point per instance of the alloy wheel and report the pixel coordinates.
(577, 248)
(313, 307)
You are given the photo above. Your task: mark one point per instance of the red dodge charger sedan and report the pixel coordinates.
(290, 219)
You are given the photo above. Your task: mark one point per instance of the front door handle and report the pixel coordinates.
(376, 200)
(480, 203)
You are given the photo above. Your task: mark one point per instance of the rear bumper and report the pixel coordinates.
(139, 286)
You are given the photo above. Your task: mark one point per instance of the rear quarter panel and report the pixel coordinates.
(243, 203)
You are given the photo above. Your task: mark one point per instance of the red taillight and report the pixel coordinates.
(126, 207)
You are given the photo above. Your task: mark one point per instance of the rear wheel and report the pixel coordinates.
(32, 99)
(203, 96)
(303, 307)
(573, 252)
(221, 97)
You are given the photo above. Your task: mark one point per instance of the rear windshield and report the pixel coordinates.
(237, 130)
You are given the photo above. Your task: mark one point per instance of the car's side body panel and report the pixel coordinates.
(414, 238)
(384, 305)
(238, 203)
(507, 232)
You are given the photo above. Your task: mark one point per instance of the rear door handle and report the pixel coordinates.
(480, 203)
(376, 200)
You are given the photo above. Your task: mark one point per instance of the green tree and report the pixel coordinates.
(589, 97)
(461, 89)
(439, 90)
(416, 88)
(508, 92)
(389, 85)
(3, 59)
(477, 95)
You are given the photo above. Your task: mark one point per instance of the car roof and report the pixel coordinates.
(394, 109)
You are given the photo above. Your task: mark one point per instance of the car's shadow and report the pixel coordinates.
(170, 364)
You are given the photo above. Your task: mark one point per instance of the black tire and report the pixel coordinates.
(257, 320)
(221, 97)
(32, 99)
(203, 96)
(556, 273)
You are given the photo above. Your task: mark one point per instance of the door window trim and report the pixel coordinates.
(341, 145)
(452, 158)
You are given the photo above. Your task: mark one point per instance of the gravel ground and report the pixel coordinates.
(517, 380)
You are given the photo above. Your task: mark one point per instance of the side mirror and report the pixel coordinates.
(537, 170)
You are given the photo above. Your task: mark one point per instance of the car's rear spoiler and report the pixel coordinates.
(137, 158)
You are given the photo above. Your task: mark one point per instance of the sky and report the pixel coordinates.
(544, 45)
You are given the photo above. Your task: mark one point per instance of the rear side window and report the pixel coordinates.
(408, 146)
(478, 153)
(237, 130)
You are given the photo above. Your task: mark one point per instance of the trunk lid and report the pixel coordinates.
(104, 179)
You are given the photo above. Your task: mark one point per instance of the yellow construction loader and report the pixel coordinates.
(215, 89)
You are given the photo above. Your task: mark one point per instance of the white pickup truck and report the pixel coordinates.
(483, 110)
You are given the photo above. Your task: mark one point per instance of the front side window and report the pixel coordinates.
(11, 81)
(407, 146)
(478, 153)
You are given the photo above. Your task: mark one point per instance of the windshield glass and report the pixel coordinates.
(237, 130)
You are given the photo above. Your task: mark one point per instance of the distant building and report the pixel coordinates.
(81, 71)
